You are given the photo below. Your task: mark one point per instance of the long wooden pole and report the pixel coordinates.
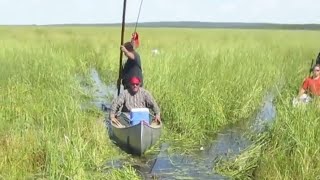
(122, 35)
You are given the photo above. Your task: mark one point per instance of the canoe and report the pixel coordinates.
(135, 139)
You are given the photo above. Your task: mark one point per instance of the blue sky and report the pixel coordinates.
(110, 11)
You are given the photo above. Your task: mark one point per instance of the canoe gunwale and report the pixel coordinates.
(144, 123)
(135, 139)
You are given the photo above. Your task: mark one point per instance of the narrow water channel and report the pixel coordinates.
(200, 165)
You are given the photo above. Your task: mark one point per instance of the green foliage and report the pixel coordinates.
(44, 133)
(293, 149)
(288, 150)
(203, 80)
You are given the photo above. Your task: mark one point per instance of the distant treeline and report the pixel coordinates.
(197, 24)
(194, 24)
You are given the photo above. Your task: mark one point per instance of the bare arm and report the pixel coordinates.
(301, 92)
(304, 87)
(129, 54)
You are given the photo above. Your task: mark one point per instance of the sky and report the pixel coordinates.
(42, 12)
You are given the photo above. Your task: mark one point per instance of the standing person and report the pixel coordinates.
(132, 67)
(134, 97)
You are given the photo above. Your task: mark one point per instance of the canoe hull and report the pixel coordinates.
(135, 139)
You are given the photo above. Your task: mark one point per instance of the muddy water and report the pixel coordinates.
(101, 94)
(200, 164)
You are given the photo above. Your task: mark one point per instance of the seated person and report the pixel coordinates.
(311, 85)
(134, 97)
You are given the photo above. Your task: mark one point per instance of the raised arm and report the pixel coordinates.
(129, 54)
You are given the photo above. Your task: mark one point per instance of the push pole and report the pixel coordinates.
(121, 43)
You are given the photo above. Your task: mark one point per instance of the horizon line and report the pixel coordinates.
(145, 22)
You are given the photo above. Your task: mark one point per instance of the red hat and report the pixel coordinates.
(135, 80)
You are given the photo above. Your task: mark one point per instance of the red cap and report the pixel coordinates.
(135, 80)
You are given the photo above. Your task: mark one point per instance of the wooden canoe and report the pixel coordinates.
(135, 139)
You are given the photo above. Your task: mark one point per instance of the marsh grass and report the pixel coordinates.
(293, 149)
(244, 165)
(209, 89)
(44, 133)
(204, 80)
(287, 150)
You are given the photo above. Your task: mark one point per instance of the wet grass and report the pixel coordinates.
(293, 149)
(204, 80)
(287, 150)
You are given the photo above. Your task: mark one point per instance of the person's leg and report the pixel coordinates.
(141, 83)
(125, 83)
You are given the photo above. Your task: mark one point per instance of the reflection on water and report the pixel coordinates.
(199, 165)
(100, 92)
(266, 115)
(228, 143)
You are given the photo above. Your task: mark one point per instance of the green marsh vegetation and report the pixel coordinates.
(293, 148)
(288, 150)
(203, 79)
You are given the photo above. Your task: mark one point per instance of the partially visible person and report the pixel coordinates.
(311, 85)
(132, 67)
(134, 97)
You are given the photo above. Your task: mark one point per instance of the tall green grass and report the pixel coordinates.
(207, 79)
(44, 133)
(288, 149)
(294, 142)
(203, 80)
